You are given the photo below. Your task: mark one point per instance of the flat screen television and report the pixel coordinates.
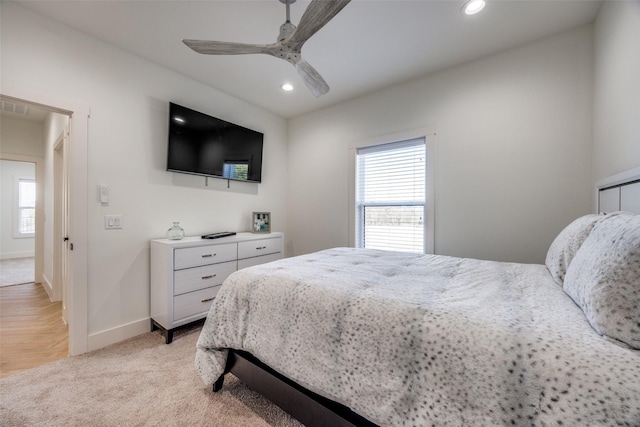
(203, 145)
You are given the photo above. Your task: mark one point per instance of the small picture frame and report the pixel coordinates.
(261, 222)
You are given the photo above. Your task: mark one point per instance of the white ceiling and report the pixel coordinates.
(369, 45)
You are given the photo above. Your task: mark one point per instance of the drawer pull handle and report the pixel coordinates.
(208, 299)
(261, 247)
(208, 277)
(208, 255)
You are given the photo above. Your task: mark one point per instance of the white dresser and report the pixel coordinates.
(186, 274)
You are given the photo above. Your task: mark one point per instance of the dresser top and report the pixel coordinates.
(199, 241)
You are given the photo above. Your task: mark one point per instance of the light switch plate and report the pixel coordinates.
(103, 191)
(112, 222)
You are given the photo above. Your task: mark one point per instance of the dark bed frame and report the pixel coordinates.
(308, 407)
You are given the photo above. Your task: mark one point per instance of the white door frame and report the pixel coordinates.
(77, 303)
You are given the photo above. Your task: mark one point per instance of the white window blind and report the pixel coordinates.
(390, 196)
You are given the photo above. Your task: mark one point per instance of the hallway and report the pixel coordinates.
(32, 332)
(17, 271)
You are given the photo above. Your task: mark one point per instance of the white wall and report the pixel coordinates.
(21, 136)
(10, 246)
(513, 151)
(128, 98)
(616, 118)
(23, 139)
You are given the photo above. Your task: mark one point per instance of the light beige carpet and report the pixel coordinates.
(139, 382)
(16, 271)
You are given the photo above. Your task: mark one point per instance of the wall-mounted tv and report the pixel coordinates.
(203, 145)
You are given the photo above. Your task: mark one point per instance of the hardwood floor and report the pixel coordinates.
(32, 332)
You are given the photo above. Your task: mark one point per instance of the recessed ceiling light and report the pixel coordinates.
(288, 87)
(473, 6)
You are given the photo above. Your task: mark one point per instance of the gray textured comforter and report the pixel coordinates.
(422, 340)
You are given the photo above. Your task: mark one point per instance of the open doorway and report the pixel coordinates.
(32, 308)
(65, 168)
(17, 222)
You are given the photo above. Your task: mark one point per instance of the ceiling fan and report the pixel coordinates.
(289, 44)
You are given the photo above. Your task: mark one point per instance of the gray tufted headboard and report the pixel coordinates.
(620, 192)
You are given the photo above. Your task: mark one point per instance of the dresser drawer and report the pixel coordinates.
(193, 279)
(248, 262)
(193, 303)
(203, 255)
(259, 247)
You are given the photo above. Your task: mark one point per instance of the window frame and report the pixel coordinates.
(369, 157)
(428, 134)
(17, 208)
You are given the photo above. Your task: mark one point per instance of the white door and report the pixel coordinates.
(61, 221)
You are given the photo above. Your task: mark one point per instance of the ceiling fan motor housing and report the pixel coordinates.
(289, 54)
(286, 30)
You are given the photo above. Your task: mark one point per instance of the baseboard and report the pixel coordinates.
(12, 255)
(48, 286)
(111, 336)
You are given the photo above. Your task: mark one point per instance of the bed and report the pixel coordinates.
(364, 337)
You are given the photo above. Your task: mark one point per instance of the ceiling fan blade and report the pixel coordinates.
(208, 47)
(316, 16)
(312, 78)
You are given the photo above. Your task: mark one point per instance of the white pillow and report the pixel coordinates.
(604, 278)
(567, 243)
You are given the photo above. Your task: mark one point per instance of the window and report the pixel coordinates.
(390, 203)
(236, 170)
(25, 207)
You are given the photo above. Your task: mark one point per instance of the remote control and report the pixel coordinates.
(218, 235)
